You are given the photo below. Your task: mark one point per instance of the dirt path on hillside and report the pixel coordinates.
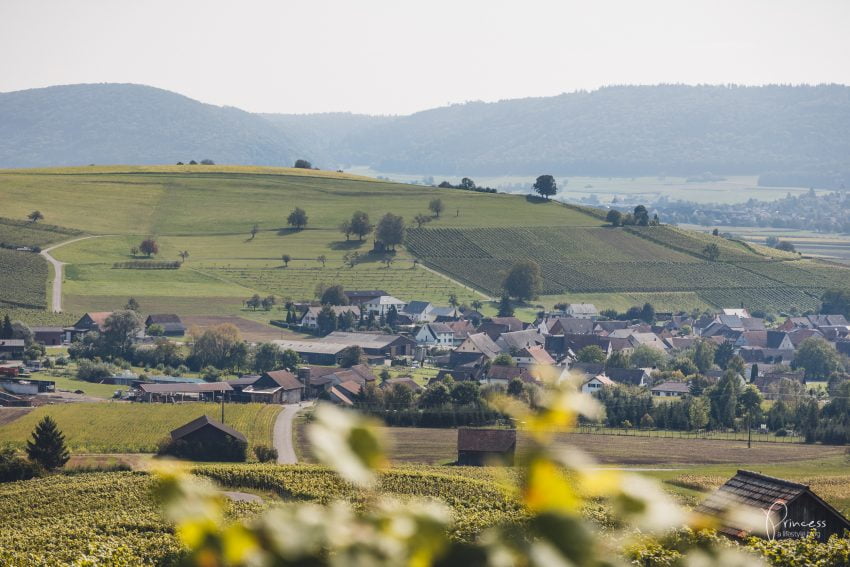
(56, 303)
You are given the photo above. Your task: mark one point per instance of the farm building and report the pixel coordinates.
(182, 391)
(25, 386)
(595, 384)
(12, 349)
(49, 336)
(382, 305)
(208, 440)
(318, 379)
(359, 297)
(276, 387)
(479, 447)
(92, 321)
(171, 324)
(790, 510)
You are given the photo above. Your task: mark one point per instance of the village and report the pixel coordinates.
(415, 357)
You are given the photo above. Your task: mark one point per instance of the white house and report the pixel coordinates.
(311, 317)
(671, 390)
(582, 311)
(436, 334)
(381, 305)
(596, 383)
(420, 311)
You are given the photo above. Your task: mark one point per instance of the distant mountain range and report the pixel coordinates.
(623, 130)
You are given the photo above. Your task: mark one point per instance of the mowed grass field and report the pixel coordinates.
(209, 211)
(119, 427)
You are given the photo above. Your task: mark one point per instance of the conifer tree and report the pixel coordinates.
(47, 446)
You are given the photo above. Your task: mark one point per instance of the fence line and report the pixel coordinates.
(757, 437)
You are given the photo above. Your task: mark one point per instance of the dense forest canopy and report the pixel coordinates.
(780, 132)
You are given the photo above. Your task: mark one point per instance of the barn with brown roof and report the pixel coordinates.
(790, 510)
(480, 447)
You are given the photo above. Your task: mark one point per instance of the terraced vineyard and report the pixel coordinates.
(23, 280)
(636, 259)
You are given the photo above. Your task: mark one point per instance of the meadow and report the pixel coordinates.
(210, 212)
(120, 427)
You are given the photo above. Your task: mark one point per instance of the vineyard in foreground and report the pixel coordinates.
(638, 260)
(113, 427)
(114, 518)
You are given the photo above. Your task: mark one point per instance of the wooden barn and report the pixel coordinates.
(204, 430)
(790, 510)
(480, 447)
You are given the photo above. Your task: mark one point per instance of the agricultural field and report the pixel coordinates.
(119, 427)
(23, 280)
(210, 211)
(17, 233)
(591, 262)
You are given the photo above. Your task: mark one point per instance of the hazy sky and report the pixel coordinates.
(400, 56)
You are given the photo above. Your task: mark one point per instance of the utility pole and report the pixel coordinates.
(749, 432)
(222, 407)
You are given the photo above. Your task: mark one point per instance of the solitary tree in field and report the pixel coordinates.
(47, 446)
(254, 302)
(322, 260)
(345, 228)
(303, 164)
(436, 207)
(286, 258)
(388, 260)
(421, 219)
(523, 280)
(254, 230)
(132, 305)
(149, 247)
(35, 216)
(641, 216)
(711, 252)
(360, 224)
(453, 301)
(390, 230)
(545, 186)
(134, 251)
(351, 259)
(297, 219)
(183, 255)
(615, 217)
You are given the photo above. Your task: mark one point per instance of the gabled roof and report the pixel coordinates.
(582, 309)
(573, 325)
(672, 386)
(440, 328)
(446, 312)
(498, 372)
(601, 378)
(161, 318)
(513, 323)
(417, 307)
(518, 340)
(486, 440)
(204, 421)
(631, 376)
(385, 300)
(589, 368)
(340, 396)
(337, 309)
(350, 387)
(483, 344)
(97, 317)
(538, 354)
(762, 493)
(285, 379)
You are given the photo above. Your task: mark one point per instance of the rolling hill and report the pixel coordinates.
(118, 123)
(792, 135)
(209, 211)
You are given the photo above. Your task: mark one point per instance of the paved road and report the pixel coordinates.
(283, 433)
(57, 271)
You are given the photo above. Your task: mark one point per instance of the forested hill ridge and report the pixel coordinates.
(780, 132)
(121, 123)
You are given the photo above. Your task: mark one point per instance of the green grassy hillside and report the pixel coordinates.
(209, 211)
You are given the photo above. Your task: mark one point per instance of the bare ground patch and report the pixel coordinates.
(252, 331)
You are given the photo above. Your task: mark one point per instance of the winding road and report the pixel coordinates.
(57, 271)
(283, 433)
